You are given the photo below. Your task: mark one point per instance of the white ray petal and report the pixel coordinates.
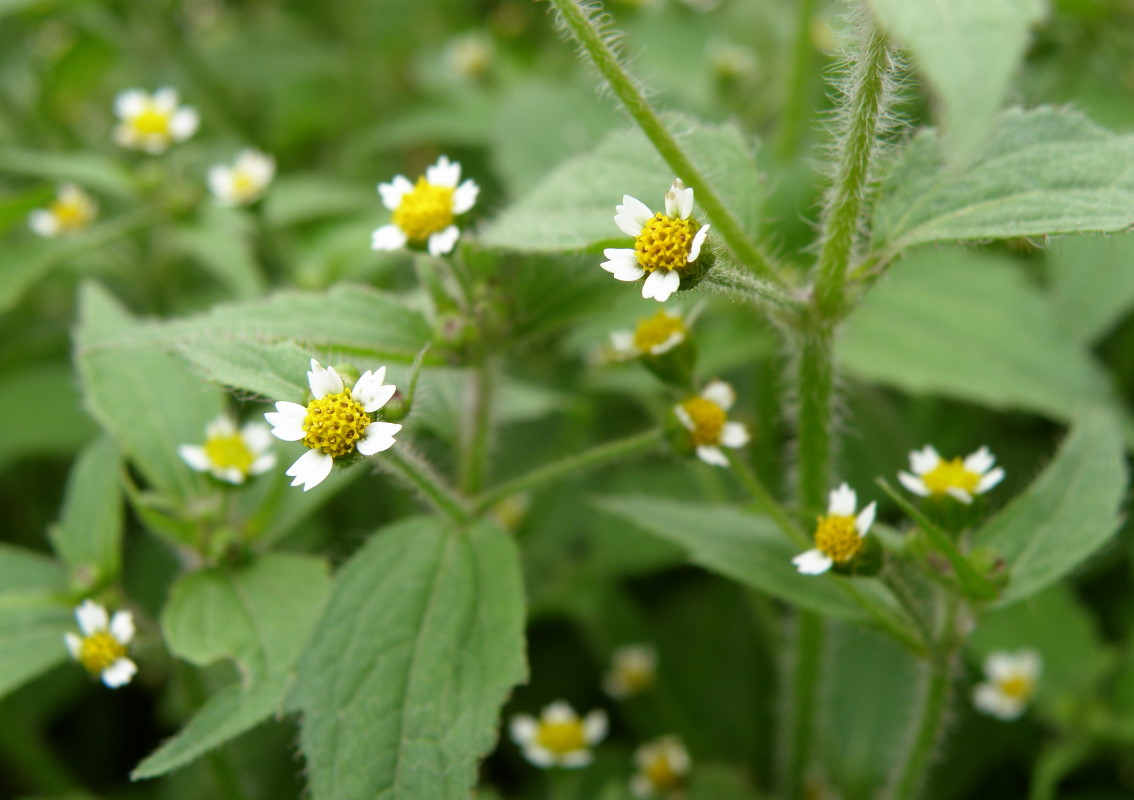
(842, 501)
(122, 626)
(393, 192)
(698, 242)
(465, 196)
(91, 617)
(120, 673)
(443, 241)
(913, 484)
(310, 469)
(865, 519)
(711, 454)
(378, 436)
(812, 562)
(388, 237)
(721, 393)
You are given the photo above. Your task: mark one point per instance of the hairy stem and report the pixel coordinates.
(803, 690)
(815, 387)
(726, 279)
(607, 453)
(403, 462)
(865, 109)
(725, 222)
(933, 704)
(477, 431)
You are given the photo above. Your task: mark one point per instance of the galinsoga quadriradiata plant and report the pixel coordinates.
(639, 455)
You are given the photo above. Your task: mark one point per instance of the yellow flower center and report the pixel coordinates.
(708, 420)
(244, 185)
(70, 215)
(664, 243)
(99, 651)
(225, 452)
(657, 330)
(950, 475)
(1017, 687)
(837, 537)
(335, 423)
(151, 122)
(635, 676)
(661, 774)
(425, 210)
(562, 737)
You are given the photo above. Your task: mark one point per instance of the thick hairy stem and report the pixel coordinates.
(404, 463)
(585, 32)
(727, 279)
(477, 432)
(815, 389)
(932, 707)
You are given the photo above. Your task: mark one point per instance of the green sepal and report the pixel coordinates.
(867, 563)
(676, 366)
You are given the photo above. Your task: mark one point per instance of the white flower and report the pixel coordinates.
(102, 647)
(934, 476)
(337, 422)
(245, 181)
(559, 738)
(633, 669)
(425, 212)
(705, 419)
(229, 454)
(654, 336)
(152, 122)
(1010, 683)
(469, 56)
(73, 211)
(664, 244)
(839, 535)
(663, 766)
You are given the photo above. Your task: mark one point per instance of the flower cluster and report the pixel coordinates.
(633, 670)
(243, 182)
(1010, 683)
(560, 737)
(229, 454)
(424, 212)
(663, 767)
(935, 477)
(704, 416)
(152, 123)
(654, 336)
(102, 647)
(73, 211)
(839, 535)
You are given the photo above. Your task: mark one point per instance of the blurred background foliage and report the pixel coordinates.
(346, 93)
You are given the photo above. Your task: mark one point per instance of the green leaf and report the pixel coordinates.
(274, 371)
(1066, 515)
(968, 51)
(750, 549)
(259, 615)
(918, 332)
(89, 535)
(93, 172)
(296, 199)
(220, 241)
(28, 572)
(147, 399)
(573, 207)
(402, 683)
(1044, 171)
(1092, 283)
(31, 641)
(57, 399)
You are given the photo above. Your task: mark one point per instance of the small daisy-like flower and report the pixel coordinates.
(664, 244)
(469, 56)
(424, 212)
(152, 122)
(559, 738)
(1010, 683)
(336, 423)
(229, 454)
(633, 669)
(839, 535)
(663, 766)
(102, 647)
(933, 476)
(73, 211)
(705, 419)
(245, 181)
(654, 336)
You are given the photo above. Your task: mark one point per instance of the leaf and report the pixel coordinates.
(1092, 283)
(89, 535)
(93, 172)
(401, 685)
(31, 641)
(968, 51)
(920, 332)
(296, 199)
(573, 207)
(273, 371)
(1066, 515)
(1043, 172)
(258, 615)
(220, 241)
(26, 571)
(749, 549)
(57, 399)
(146, 398)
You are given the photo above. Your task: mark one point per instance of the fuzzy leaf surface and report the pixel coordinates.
(401, 686)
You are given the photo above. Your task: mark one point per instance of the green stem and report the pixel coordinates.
(809, 635)
(477, 430)
(727, 225)
(841, 219)
(933, 703)
(799, 81)
(727, 279)
(766, 499)
(589, 459)
(815, 379)
(405, 463)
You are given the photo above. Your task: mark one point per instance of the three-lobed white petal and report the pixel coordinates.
(388, 237)
(443, 241)
(310, 469)
(660, 284)
(842, 501)
(812, 562)
(377, 437)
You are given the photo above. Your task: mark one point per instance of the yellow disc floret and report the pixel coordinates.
(225, 452)
(562, 737)
(657, 330)
(99, 651)
(708, 420)
(151, 122)
(425, 210)
(660, 773)
(950, 474)
(71, 215)
(664, 243)
(1018, 687)
(335, 423)
(838, 538)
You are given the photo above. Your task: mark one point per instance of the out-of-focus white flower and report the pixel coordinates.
(708, 425)
(245, 181)
(663, 767)
(664, 244)
(1010, 683)
(73, 211)
(336, 423)
(470, 55)
(152, 122)
(229, 454)
(559, 738)
(933, 476)
(424, 212)
(654, 336)
(102, 647)
(633, 669)
(839, 535)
